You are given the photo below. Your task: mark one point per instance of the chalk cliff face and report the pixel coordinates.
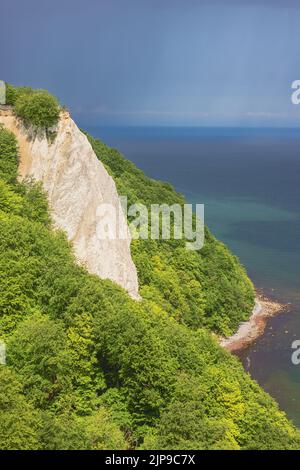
(82, 197)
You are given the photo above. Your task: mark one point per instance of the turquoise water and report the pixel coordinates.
(248, 181)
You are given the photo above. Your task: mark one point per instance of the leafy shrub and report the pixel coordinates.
(13, 93)
(39, 109)
(8, 156)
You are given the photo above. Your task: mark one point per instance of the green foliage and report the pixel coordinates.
(34, 202)
(13, 93)
(199, 288)
(63, 431)
(19, 422)
(38, 353)
(88, 380)
(69, 432)
(39, 109)
(8, 156)
(102, 433)
(9, 200)
(102, 371)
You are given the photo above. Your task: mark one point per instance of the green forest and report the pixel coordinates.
(90, 368)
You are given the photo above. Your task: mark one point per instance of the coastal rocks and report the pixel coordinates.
(78, 187)
(250, 330)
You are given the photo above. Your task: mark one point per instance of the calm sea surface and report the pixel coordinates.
(248, 180)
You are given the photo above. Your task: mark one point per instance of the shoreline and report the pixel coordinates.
(248, 331)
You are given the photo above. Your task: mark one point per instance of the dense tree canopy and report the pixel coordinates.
(90, 368)
(208, 287)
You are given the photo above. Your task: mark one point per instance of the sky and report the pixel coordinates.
(158, 62)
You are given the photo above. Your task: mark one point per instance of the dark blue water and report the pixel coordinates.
(248, 180)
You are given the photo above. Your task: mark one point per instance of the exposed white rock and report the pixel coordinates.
(77, 185)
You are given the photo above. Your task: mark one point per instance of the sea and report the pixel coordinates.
(248, 180)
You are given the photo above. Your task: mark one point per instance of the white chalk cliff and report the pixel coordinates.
(78, 188)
